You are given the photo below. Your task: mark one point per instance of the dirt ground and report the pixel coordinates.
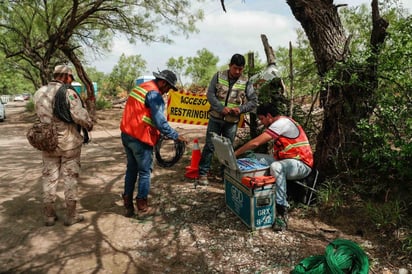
(192, 232)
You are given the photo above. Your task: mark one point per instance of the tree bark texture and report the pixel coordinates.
(270, 56)
(322, 25)
(91, 99)
(344, 104)
(252, 115)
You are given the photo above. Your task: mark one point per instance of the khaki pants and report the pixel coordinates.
(64, 165)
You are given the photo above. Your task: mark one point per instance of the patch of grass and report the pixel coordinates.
(102, 103)
(407, 244)
(385, 216)
(30, 106)
(331, 197)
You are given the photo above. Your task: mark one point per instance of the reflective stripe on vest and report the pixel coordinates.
(139, 94)
(137, 120)
(294, 148)
(238, 89)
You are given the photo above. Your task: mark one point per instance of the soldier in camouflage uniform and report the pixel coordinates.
(64, 162)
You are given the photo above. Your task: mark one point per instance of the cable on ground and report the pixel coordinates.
(179, 148)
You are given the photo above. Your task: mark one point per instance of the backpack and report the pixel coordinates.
(43, 136)
(61, 110)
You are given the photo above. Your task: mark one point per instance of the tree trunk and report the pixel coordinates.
(91, 99)
(252, 115)
(345, 104)
(291, 78)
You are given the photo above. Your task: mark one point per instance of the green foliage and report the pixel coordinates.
(382, 165)
(384, 161)
(258, 64)
(202, 67)
(407, 245)
(38, 34)
(178, 66)
(126, 71)
(385, 216)
(30, 106)
(331, 197)
(384, 156)
(102, 103)
(100, 78)
(12, 81)
(304, 73)
(270, 92)
(357, 23)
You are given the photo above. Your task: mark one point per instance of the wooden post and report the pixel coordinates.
(252, 115)
(291, 77)
(270, 55)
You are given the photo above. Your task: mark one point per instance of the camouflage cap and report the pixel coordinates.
(64, 69)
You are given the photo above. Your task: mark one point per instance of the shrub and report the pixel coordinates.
(102, 103)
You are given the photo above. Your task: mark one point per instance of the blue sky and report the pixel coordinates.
(236, 31)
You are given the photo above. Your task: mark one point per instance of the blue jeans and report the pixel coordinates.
(283, 170)
(221, 128)
(139, 163)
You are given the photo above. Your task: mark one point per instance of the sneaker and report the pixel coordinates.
(280, 224)
(203, 181)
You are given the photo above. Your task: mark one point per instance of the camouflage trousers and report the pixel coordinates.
(64, 166)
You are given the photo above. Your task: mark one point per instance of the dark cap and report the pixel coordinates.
(168, 76)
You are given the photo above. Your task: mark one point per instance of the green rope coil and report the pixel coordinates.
(341, 257)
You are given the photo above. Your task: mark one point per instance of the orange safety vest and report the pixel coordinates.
(297, 148)
(137, 119)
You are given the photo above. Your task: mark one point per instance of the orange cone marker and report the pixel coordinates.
(192, 171)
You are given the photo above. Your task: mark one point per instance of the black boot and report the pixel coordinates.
(128, 205)
(281, 220)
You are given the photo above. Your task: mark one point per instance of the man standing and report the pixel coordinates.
(142, 122)
(229, 94)
(292, 155)
(83, 130)
(64, 162)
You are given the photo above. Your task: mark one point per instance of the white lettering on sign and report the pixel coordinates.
(237, 195)
(262, 212)
(266, 220)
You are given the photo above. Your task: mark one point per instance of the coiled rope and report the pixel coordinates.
(341, 257)
(179, 148)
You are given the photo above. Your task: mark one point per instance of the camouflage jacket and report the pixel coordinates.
(68, 134)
